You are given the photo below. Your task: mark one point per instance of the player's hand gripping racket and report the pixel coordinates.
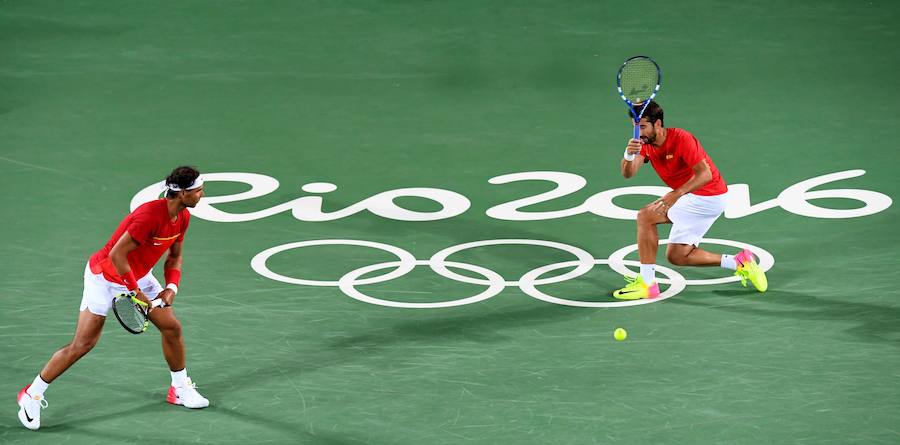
(132, 313)
(638, 80)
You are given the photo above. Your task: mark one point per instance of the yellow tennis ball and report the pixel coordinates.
(620, 334)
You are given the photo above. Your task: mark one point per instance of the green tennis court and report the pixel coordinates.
(345, 140)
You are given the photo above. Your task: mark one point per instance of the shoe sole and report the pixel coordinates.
(630, 298)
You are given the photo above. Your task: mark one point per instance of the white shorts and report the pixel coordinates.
(98, 293)
(692, 216)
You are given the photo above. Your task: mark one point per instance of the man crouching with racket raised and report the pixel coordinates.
(695, 202)
(123, 266)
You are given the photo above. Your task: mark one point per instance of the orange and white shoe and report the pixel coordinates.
(186, 395)
(30, 408)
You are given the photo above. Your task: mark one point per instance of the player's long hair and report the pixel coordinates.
(183, 177)
(653, 113)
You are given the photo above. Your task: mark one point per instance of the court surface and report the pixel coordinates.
(403, 112)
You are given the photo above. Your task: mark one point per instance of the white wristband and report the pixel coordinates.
(629, 156)
(172, 286)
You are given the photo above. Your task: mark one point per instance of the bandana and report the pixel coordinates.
(196, 184)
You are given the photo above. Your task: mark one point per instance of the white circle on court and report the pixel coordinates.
(406, 264)
(585, 260)
(348, 281)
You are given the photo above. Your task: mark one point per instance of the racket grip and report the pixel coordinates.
(637, 131)
(158, 303)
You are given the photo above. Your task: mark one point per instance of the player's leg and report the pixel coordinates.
(648, 234)
(182, 391)
(691, 255)
(87, 334)
(95, 303)
(692, 216)
(644, 285)
(31, 398)
(172, 341)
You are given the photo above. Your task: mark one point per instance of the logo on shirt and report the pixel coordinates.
(158, 241)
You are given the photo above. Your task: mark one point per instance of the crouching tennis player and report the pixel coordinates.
(697, 199)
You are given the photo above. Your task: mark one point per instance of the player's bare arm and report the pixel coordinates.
(702, 175)
(119, 257)
(630, 168)
(173, 262)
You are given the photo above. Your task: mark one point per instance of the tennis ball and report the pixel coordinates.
(620, 334)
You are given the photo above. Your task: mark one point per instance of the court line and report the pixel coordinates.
(39, 167)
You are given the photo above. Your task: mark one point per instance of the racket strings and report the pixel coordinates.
(639, 79)
(130, 315)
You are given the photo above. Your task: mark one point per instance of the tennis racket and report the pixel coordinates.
(132, 313)
(638, 81)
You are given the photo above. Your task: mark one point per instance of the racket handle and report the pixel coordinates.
(158, 303)
(637, 131)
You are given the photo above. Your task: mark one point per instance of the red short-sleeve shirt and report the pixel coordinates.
(150, 226)
(675, 159)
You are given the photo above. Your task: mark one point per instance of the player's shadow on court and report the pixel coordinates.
(478, 329)
(429, 331)
(880, 324)
(298, 433)
(75, 422)
(78, 424)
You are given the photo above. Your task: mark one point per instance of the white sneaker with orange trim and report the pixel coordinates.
(30, 408)
(186, 395)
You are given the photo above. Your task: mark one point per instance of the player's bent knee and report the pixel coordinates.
(677, 254)
(647, 216)
(677, 258)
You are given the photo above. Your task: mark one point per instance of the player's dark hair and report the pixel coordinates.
(182, 177)
(653, 113)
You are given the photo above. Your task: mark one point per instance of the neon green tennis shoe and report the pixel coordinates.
(636, 289)
(747, 269)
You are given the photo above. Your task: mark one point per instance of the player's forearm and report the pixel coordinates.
(629, 168)
(173, 262)
(119, 260)
(696, 181)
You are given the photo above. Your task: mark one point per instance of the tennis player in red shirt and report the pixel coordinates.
(124, 264)
(695, 202)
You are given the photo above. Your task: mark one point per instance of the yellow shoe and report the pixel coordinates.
(636, 289)
(747, 269)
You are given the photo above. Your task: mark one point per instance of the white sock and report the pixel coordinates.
(648, 273)
(728, 262)
(38, 386)
(178, 377)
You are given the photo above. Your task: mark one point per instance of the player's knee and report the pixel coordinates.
(677, 257)
(172, 330)
(81, 347)
(646, 216)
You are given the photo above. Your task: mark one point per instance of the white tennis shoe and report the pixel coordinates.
(186, 395)
(30, 408)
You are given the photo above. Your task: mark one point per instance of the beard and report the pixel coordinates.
(649, 139)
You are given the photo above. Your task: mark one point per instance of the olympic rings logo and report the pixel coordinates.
(495, 283)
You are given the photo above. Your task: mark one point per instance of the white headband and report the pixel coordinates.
(196, 184)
